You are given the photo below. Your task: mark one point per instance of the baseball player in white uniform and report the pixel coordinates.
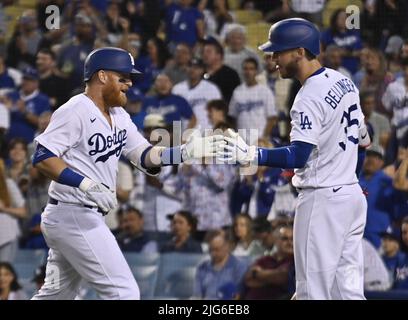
(327, 130)
(79, 151)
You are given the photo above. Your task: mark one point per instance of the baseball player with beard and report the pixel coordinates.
(327, 130)
(79, 151)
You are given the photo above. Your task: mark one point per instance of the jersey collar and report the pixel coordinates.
(319, 71)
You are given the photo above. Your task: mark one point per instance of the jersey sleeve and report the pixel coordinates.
(307, 118)
(63, 132)
(388, 96)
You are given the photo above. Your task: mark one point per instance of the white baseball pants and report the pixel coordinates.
(82, 246)
(329, 226)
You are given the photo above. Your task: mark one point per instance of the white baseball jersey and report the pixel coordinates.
(198, 97)
(395, 99)
(327, 113)
(80, 135)
(252, 106)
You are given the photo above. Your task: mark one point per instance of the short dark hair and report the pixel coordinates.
(309, 56)
(218, 47)
(134, 210)
(218, 104)
(224, 234)
(405, 220)
(251, 60)
(48, 52)
(15, 141)
(191, 220)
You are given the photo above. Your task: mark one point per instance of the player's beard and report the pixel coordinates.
(114, 97)
(289, 71)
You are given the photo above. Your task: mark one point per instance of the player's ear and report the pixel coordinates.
(102, 76)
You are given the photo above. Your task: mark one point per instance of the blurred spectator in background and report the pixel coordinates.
(376, 277)
(243, 240)
(52, 83)
(393, 55)
(236, 51)
(308, 9)
(223, 271)
(395, 101)
(272, 10)
(184, 23)
(172, 107)
(404, 235)
(217, 16)
(6, 81)
(151, 63)
(4, 124)
(25, 41)
(28, 104)
(34, 238)
(177, 68)
(72, 54)
(224, 77)
(183, 228)
(18, 163)
(390, 19)
(380, 195)
(134, 107)
(206, 192)
(198, 92)
(280, 89)
(379, 122)
(133, 238)
(11, 209)
(217, 113)
(392, 255)
(161, 194)
(348, 40)
(268, 277)
(374, 76)
(333, 59)
(10, 289)
(253, 105)
(263, 232)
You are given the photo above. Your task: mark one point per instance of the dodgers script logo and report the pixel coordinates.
(101, 143)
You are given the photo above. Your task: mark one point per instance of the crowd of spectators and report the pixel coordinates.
(201, 69)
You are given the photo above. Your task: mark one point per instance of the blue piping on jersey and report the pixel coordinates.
(319, 71)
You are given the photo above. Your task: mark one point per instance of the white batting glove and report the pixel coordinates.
(364, 140)
(104, 198)
(236, 149)
(198, 147)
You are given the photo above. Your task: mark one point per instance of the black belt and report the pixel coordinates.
(55, 202)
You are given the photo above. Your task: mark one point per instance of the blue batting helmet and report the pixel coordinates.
(109, 58)
(291, 34)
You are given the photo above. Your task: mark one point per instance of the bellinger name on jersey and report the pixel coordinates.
(338, 91)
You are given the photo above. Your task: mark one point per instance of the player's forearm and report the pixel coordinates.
(51, 167)
(293, 156)
(192, 123)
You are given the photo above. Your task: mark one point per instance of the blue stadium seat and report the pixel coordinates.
(142, 259)
(27, 261)
(176, 274)
(146, 278)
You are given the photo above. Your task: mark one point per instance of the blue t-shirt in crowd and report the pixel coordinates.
(181, 24)
(36, 103)
(6, 81)
(401, 273)
(350, 40)
(212, 284)
(380, 203)
(172, 107)
(71, 61)
(145, 66)
(397, 266)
